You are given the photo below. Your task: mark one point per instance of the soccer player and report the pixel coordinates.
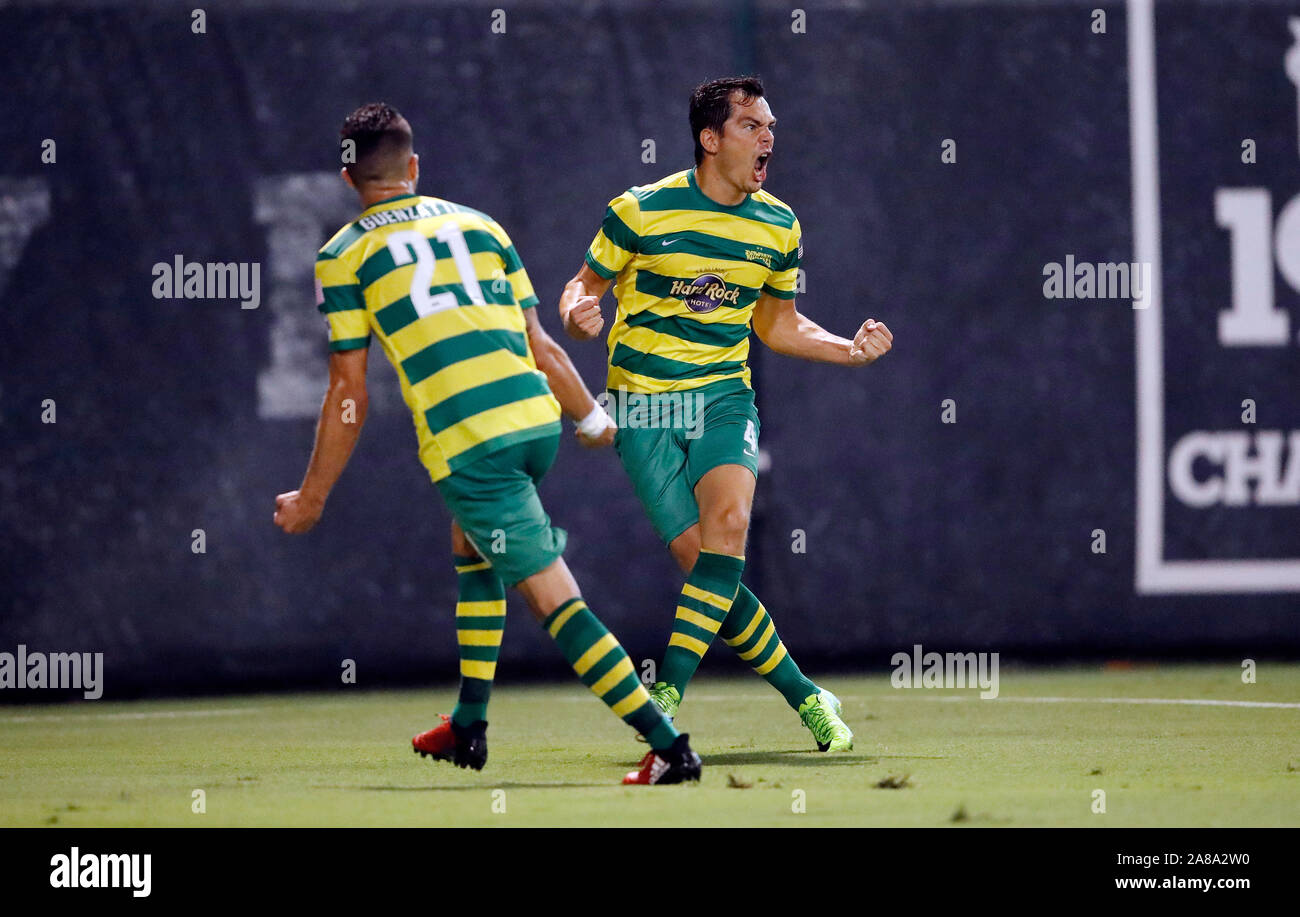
(697, 259)
(444, 291)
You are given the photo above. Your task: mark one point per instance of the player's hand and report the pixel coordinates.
(295, 513)
(583, 321)
(872, 342)
(601, 439)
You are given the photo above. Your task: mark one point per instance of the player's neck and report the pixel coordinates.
(716, 188)
(375, 194)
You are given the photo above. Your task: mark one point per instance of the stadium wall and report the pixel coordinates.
(956, 495)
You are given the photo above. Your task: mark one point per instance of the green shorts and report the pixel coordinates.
(667, 446)
(495, 501)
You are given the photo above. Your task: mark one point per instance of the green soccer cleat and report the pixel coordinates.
(821, 714)
(667, 699)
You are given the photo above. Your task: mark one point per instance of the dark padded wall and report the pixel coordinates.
(176, 415)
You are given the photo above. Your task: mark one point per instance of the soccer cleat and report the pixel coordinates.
(471, 745)
(440, 741)
(675, 764)
(463, 746)
(667, 699)
(821, 714)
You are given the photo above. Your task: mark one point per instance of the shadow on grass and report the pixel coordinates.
(806, 757)
(801, 757)
(477, 788)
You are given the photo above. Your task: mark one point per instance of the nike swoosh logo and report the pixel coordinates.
(667, 242)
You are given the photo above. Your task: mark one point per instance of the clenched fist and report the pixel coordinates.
(583, 321)
(296, 513)
(872, 341)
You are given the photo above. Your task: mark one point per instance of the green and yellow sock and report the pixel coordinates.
(749, 631)
(706, 598)
(604, 667)
(480, 623)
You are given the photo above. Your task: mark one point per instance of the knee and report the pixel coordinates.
(729, 522)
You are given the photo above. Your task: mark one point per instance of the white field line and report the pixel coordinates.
(1177, 701)
(719, 698)
(153, 715)
(906, 694)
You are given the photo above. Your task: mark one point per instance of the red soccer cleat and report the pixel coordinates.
(671, 765)
(439, 741)
(464, 747)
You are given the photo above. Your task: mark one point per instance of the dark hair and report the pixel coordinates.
(383, 142)
(711, 104)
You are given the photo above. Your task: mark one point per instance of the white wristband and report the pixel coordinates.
(595, 422)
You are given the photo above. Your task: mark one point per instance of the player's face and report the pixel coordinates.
(746, 144)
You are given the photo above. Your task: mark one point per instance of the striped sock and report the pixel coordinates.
(480, 622)
(749, 631)
(604, 666)
(706, 597)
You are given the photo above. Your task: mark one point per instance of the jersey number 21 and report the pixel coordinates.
(402, 244)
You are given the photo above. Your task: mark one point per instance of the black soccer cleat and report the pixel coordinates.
(471, 745)
(465, 747)
(675, 764)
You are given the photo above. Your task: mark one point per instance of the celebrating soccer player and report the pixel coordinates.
(443, 289)
(697, 259)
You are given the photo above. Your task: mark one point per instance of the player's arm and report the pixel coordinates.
(615, 245)
(580, 304)
(595, 428)
(783, 328)
(341, 416)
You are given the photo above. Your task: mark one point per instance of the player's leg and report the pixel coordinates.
(721, 470)
(495, 500)
(723, 460)
(723, 494)
(602, 664)
(480, 623)
(498, 536)
(750, 632)
(655, 461)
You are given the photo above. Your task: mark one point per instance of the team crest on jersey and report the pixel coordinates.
(705, 293)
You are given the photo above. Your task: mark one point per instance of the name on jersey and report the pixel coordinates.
(763, 258)
(705, 293)
(420, 211)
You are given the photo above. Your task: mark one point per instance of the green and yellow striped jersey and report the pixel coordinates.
(443, 289)
(689, 272)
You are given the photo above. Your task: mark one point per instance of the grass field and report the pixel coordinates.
(344, 758)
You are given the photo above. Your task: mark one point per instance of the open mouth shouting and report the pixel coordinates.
(760, 167)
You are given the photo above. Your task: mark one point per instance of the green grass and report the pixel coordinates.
(344, 758)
